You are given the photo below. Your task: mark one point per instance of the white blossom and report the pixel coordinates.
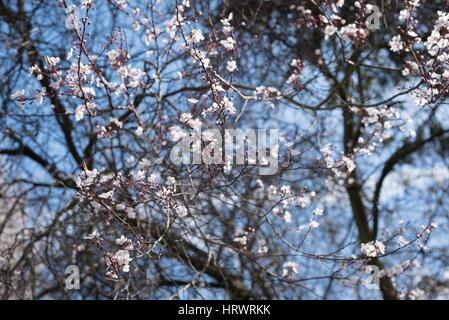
(196, 36)
(52, 61)
(396, 44)
(318, 211)
(228, 43)
(40, 96)
(94, 235)
(122, 240)
(106, 195)
(138, 131)
(231, 65)
(313, 224)
(79, 112)
(123, 259)
(181, 211)
(170, 181)
(289, 269)
(373, 248)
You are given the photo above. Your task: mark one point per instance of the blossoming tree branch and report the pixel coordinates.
(227, 149)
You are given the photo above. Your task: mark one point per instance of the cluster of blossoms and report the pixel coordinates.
(222, 103)
(242, 237)
(76, 82)
(330, 21)
(122, 257)
(284, 199)
(82, 79)
(373, 248)
(408, 36)
(345, 164)
(82, 74)
(379, 123)
(117, 58)
(377, 248)
(94, 188)
(52, 72)
(382, 121)
(268, 94)
(429, 59)
(397, 269)
(368, 275)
